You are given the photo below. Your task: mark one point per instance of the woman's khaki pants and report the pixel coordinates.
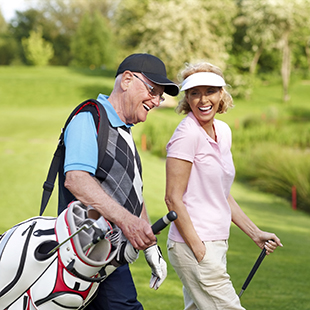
(206, 285)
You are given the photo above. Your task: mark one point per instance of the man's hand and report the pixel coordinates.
(158, 265)
(137, 231)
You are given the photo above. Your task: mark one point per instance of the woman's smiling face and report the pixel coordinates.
(204, 102)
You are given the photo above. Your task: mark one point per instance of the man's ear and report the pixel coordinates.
(127, 78)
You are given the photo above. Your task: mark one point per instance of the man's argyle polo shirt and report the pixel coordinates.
(120, 173)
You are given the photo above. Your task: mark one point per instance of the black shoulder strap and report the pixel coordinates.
(56, 167)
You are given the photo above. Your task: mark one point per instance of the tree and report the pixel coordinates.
(8, 49)
(261, 33)
(59, 20)
(307, 50)
(275, 24)
(66, 16)
(127, 23)
(179, 31)
(92, 43)
(3, 24)
(38, 52)
(7, 43)
(21, 26)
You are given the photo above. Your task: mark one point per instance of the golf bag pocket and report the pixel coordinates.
(18, 264)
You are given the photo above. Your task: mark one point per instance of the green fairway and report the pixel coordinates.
(34, 105)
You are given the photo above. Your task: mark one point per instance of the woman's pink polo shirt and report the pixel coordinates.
(210, 180)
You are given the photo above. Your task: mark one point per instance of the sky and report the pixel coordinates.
(8, 7)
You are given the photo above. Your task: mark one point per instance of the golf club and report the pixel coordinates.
(164, 221)
(156, 228)
(254, 269)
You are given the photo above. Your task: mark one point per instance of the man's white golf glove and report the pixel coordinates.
(126, 253)
(158, 265)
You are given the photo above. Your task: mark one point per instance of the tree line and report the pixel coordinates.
(243, 37)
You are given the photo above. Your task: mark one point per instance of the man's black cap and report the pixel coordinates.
(152, 68)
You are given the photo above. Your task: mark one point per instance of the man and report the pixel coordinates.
(115, 188)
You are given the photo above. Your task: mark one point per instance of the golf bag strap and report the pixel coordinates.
(102, 125)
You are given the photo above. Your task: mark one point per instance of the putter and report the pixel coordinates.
(254, 269)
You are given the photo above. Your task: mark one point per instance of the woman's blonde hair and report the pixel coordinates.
(226, 102)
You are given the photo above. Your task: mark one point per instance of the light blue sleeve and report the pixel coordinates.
(81, 144)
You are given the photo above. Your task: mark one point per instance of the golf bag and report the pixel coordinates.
(51, 263)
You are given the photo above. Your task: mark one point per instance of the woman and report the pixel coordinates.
(200, 172)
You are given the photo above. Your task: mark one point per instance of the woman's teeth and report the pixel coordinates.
(204, 109)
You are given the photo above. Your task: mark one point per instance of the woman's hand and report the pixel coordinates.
(200, 252)
(267, 240)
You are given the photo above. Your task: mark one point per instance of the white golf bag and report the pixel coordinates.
(51, 263)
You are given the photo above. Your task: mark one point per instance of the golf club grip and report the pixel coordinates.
(254, 269)
(164, 222)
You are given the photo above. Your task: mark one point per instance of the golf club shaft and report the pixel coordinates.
(254, 269)
(70, 237)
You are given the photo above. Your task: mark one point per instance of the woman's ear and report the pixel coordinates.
(186, 95)
(219, 110)
(222, 92)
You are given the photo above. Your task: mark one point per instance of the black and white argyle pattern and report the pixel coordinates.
(120, 173)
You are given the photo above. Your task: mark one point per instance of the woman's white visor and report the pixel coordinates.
(203, 79)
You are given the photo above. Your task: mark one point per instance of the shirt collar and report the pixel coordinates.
(191, 115)
(113, 117)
